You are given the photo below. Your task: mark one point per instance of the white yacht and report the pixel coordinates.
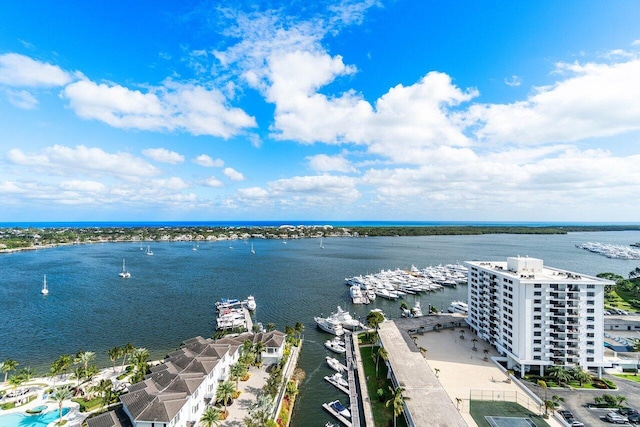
(338, 381)
(334, 364)
(346, 320)
(335, 345)
(416, 311)
(44, 290)
(357, 296)
(458, 307)
(124, 273)
(330, 325)
(149, 251)
(251, 303)
(340, 408)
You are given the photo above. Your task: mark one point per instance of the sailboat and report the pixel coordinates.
(44, 290)
(252, 250)
(321, 245)
(124, 273)
(149, 252)
(195, 248)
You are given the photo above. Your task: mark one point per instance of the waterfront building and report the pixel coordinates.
(538, 316)
(177, 391)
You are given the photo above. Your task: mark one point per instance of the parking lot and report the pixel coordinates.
(577, 401)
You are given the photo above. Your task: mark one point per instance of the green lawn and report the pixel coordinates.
(382, 415)
(481, 409)
(630, 377)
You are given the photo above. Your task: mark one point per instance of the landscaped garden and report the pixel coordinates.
(381, 391)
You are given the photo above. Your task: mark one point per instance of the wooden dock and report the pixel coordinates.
(336, 385)
(340, 418)
(352, 372)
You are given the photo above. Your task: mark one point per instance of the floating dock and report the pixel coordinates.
(334, 383)
(340, 418)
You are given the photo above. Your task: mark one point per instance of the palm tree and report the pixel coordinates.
(404, 306)
(114, 353)
(59, 395)
(225, 393)
(560, 374)
(258, 348)
(104, 389)
(374, 318)
(381, 354)
(15, 381)
(7, 366)
(85, 357)
(260, 411)
(271, 326)
(581, 376)
(397, 401)
(237, 371)
(247, 346)
(26, 373)
(126, 351)
(78, 374)
(210, 417)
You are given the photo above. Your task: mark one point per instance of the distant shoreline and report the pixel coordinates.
(17, 239)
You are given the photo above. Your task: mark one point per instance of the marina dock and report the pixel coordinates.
(336, 385)
(340, 418)
(351, 371)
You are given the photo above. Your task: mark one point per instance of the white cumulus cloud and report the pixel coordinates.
(69, 160)
(22, 99)
(212, 181)
(23, 71)
(233, 174)
(163, 155)
(171, 107)
(208, 162)
(325, 163)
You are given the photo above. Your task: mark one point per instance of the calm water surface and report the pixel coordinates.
(170, 295)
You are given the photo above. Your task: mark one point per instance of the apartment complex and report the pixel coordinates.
(537, 316)
(176, 392)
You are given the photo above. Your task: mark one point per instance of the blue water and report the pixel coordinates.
(170, 295)
(23, 420)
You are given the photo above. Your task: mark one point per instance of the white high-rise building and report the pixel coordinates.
(537, 316)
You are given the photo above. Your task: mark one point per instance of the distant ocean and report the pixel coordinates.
(136, 224)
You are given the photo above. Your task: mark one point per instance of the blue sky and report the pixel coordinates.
(332, 110)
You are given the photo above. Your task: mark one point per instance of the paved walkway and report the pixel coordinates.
(250, 390)
(461, 369)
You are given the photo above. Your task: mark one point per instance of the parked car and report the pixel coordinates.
(616, 418)
(634, 418)
(577, 423)
(565, 414)
(627, 411)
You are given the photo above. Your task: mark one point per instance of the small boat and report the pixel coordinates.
(251, 303)
(337, 378)
(252, 250)
(321, 245)
(226, 303)
(458, 307)
(330, 325)
(335, 345)
(149, 251)
(195, 247)
(334, 364)
(340, 408)
(329, 425)
(44, 290)
(124, 273)
(346, 320)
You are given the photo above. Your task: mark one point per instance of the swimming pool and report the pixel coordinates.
(22, 420)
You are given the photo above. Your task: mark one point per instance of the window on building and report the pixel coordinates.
(537, 317)
(537, 301)
(590, 335)
(591, 310)
(591, 294)
(537, 334)
(537, 325)
(537, 286)
(537, 294)
(590, 359)
(591, 286)
(537, 341)
(591, 318)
